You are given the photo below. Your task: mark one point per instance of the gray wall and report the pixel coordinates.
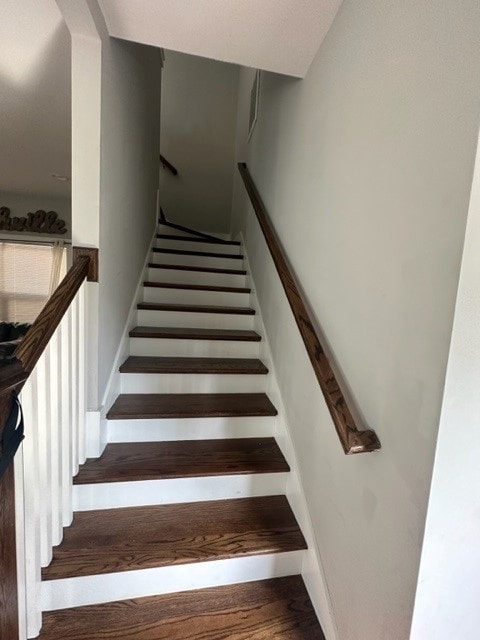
(365, 168)
(199, 103)
(131, 76)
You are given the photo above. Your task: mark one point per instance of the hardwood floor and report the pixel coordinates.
(126, 462)
(195, 287)
(157, 364)
(113, 540)
(277, 609)
(205, 254)
(180, 333)
(184, 538)
(196, 308)
(190, 405)
(188, 267)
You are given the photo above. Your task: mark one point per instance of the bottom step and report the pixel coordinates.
(277, 609)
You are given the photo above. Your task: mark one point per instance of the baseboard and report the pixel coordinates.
(312, 571)
(93, 444)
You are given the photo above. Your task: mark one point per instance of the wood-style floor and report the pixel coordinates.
(114, 540)
(190, 405)
(134, 461)
(277, 609)
(170, 537)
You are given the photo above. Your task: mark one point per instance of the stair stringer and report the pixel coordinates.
(312, 568)
(96, 420)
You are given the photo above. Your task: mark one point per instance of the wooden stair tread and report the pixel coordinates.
(196, 308)
(180, 333)
(278, 609)
(195, 287)
(126, 539)
(168, 236)
(165, 364)
(187, 267)
(136, 461)
(205, 254)
(190, 405)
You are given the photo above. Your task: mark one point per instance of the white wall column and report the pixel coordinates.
(446, 603)
(85, 21)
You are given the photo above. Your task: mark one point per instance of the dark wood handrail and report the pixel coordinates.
(168, 165)
(353, 440)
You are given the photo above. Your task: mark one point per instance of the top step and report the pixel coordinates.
(169, 236)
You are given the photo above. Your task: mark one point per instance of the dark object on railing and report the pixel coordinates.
(205, 236)
(168, 165)
(11, 334)
(353, 440)
(12, 435)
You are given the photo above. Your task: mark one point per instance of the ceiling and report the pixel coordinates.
(34, 97)
(275, 35)
(35, 86)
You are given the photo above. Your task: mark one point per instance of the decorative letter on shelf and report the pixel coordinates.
(38, 222)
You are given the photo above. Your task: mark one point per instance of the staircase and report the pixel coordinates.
(182, 529)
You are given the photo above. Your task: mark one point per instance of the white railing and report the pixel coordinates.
(53, 402)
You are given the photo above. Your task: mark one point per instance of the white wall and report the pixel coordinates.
(35, 97)
(365, 168)
(446, 604)
(129, 182)
(199, 103)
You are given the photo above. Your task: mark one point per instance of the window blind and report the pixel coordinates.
(26, 278)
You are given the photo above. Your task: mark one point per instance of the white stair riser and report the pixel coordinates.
(211, 247)
(192, 348)
(196, 277)
(75, 592)
(192, 383)
(153, 318)
(196, 261)
(159, 430)
(186, 296)
(114, 495)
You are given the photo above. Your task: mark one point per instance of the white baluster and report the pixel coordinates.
(44, 438)
(20, 543)
(66, 439)
(56, 437)
(32, 507)
(81, 375)
(73, 387)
